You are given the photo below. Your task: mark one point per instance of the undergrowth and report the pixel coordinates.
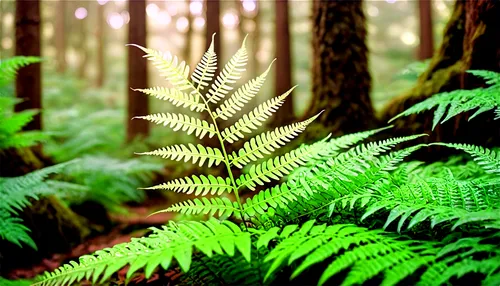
(347, 213)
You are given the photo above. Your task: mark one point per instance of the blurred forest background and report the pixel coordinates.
(85, 57)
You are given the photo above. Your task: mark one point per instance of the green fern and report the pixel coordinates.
(9, 67)
(450, 104)
(15, 195)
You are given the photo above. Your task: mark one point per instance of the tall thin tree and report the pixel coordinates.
(60, 36)
(283, 73)
(100, 37)
(138, 104)
(188, 36)
(426, 47)
(28, 82)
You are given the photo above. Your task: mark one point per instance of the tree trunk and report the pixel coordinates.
(189, 33)
(471, 41)
(82, 46)
(138, 104)
(213, 26)
(100, 35)
(341, 81)
(426, 47)
(28, 82)
(60, 35)
(283, 81)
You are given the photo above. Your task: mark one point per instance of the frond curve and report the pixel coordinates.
(176, 97)
(200, 185)
(182, 122)
(190, 152)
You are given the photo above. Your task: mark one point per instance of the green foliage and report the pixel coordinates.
(347, 213)
(9, 67)
(450, 104)
(15, 194)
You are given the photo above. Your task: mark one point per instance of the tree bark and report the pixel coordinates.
(426, 48)
(138, 104)
(283, 81)
(471, 41)
(28, 82)
(213, 26)
(82, 46)
(100, 35)
(341, 81)
(60, 35)
(189, 34)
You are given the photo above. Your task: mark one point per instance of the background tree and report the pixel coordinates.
(471, 41)
(283, 72)
(137, 70)
(341, 80)
(188, 36)
(426, 47)
(60, 36)
(100, 29)
(82, 43)
(28, 82)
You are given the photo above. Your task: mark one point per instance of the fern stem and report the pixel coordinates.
(226, 158)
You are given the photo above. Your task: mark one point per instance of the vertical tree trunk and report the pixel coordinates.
(213, 26)
(283, 73)
(100, 35)
(471, 40)
(28, 82)
(341, 81)
(82, 67)
(137, 70)
(60, 35)
(426, 48)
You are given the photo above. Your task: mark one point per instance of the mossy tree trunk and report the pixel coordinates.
(28, 82)
(341, 81)
(471, 41)
(138, 104)
(283, 81)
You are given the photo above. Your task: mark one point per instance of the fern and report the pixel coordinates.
(15, 195)
(172, 243)
(9, 67)
(450, 104)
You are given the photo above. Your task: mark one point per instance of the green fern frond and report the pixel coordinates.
(205, 69)
(229, 75)
(275, 168)
(169, 67)
(268, 142)
(173, 243)
(190, 152)
(277, 196)
(9, 67)
(12, 230)
(198, 184)
(222, 207)
(176, 97)
(449, 104)
(254, 119)
(488, 159)
(242, 96)
(15, 123)
(363, 253)
(182, 122)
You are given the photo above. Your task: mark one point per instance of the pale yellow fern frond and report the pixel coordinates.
(205, 70)
(229, 75)
(169, 66)
(182, 122)
(191, 152)
(176, 97)
(268, 142)
(254, 119)
(242, 96)
(201, 185)
(222, 207)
